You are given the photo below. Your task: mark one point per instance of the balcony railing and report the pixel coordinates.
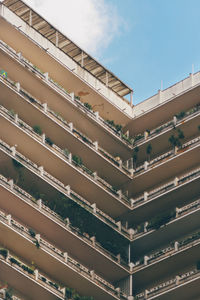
(72, 130)
(178, 182)
(70, 97)
(166, 252)
(163, 157)
(187, 209)
(166, 286)
(32, 274)
(176, 121)
(55, 217)
(67, 157)
(64, 257)
(3, 295)
(64, 189)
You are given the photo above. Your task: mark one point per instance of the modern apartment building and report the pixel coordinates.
(99, 199)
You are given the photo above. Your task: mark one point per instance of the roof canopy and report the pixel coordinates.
(86, 61)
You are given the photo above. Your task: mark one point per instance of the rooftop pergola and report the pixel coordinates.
(66, 45)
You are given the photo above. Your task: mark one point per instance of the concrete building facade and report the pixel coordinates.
(99, 199)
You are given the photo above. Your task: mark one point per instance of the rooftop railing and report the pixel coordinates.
(166, 286)
(172, 248)
(69, 96)
(56, 218)
(68, 157)
(64, 257)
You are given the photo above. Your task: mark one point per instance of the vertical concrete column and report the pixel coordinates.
(70, 157)
(72, 96)
(43, 138)
(94, 206)
(41, 169)
(119, 224)
(146, 260)
(36, 274)
(19, 55)
(10, 182)
(16, 118)
(37, 236)
(71, 126)
(175, 120)
(131, 232)
(176, 244)
(175, 181)
(93, 239)
(39, 203)
(96, 145)
(95, 175)
(146, 196)
(65, 256)
(30, 18)
(44, 106)
(119, 192)
(68, 188)
(96, 115)
(159, 96)
(18, 86)
(177, 279)
(146, 165)
(92, 274)
(9, 218)
(13, 149)
(46, 76)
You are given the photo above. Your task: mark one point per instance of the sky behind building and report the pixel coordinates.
(148, 44)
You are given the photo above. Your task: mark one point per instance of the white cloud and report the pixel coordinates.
(92, 24)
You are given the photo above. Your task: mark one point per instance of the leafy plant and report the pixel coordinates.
(31, 232)
(14, 261)
(88, 106)
(180, 115)
(37, 244)
(4, 252)
(77, 160)
(49, 141)
(37, 129)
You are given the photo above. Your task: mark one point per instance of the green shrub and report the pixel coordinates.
(49, 141)
(77, 160)
(198, 265)
(87, 105)
(14, 261)
(161, 219)
(31, 232)
(4, 252)
(37, 129)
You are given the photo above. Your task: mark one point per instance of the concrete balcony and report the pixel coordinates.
(178, 287)
(175, 192)
(27, 283)
(187, 122)
(185, 221)
(49, 184)
(42, 219)
(52, 260)
(69, 107)
(167, 260)
(165, 166)
(62, 165)
(62, 132)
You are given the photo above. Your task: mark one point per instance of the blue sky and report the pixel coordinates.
(161, 41)
(143, 42)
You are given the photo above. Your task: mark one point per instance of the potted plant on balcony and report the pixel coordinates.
(37, 129)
